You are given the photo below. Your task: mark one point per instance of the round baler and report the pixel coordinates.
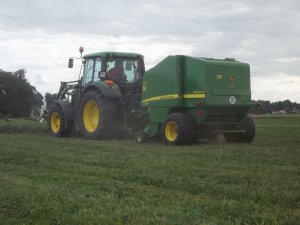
(191, 97)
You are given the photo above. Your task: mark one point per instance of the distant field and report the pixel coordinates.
(47, 180)
(21, 126)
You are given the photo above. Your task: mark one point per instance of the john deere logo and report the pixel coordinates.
(232, 100)
(232, 78)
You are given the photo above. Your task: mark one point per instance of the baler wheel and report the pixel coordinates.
(97, 116)
(248, 124)
(56, 121)
(178, 129)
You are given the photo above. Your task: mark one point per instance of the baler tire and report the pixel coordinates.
(97, 116)
(56, 122)
(178, 129)
(248, 124)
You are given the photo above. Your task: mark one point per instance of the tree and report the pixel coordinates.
(20, 74)
(17, 96)
(50, 99)
(38, 99)
(268, 107)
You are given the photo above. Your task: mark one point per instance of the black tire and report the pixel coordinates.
(248, 125)
(178, 129)
(56, 122)
(97, 116)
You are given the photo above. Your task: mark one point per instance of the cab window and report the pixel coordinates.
(97, 70)
(88, 72)
(131, 70)
(124, 70)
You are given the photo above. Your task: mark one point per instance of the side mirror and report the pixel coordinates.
(71, 62)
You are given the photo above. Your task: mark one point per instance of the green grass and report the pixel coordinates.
(21, 126)
(47, 180)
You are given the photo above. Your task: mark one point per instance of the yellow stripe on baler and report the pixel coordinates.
(174, 96)
(194, 95)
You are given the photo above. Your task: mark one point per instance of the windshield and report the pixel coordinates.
(92, 68)
(123, 70)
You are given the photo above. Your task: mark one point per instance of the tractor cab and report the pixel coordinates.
(121, 68)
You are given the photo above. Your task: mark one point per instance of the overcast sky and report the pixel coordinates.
(40, 36)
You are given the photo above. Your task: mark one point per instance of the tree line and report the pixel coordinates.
(18, 98)
(265, 106)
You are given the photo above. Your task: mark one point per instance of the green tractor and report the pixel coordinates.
(182, 98)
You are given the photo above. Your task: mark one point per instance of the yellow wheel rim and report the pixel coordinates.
(91, 116)
(55, 122)
(171, 131)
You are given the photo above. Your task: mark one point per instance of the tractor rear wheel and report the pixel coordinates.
(56, 122)
(178, 129)
(97, 116)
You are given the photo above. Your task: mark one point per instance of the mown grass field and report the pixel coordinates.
(47, 180)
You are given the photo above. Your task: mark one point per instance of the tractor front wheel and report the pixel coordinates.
(178, 129)
(97, 116)
(56, 122)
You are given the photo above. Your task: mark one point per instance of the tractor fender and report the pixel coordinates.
(68, 112)
(107, 92)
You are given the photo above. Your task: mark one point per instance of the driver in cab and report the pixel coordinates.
(117, 73)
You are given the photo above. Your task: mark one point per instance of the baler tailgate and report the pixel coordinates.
(229, 79)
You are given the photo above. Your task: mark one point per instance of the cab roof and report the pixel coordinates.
(112, 54)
